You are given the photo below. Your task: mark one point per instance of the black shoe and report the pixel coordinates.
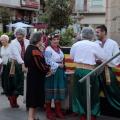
(36, 118)
(2, 93)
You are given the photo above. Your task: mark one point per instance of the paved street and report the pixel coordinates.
(8, 113)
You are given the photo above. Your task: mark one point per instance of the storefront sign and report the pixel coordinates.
(30, 3)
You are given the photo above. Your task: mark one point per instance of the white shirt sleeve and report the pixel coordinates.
(16, 53)
(100, 53)
(48, 60)
(72, 51)
(116, 61)
(0, 60)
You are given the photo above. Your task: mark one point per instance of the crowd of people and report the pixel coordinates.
(86, 55)
(46, 79)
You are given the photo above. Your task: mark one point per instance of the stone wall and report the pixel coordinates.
(113, 19)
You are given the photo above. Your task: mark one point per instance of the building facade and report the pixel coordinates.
(24, 10)
(112, 19)
(92, 10)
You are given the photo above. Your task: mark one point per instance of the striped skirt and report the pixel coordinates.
(56, 85)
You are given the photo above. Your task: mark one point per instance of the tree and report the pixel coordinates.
(57, 13)
(66, 38)
(6, 16)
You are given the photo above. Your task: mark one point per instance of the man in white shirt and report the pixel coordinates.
(84, 53)
(14, 76)
(111, 91)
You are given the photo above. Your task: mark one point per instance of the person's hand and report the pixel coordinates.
(61, 65)
(49, 73)
(99, 61)
(1, 64)
(24, 69)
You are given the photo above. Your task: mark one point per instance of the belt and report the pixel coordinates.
(85, 66)
(12, 68)
(92, 67)
(15, 61)
(107, 75)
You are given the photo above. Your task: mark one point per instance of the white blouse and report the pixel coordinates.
(5, 51)
(87, 52)
(53, 58)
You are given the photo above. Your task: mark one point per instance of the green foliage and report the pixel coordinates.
(66, 39)
(57, 13)
(6, 15)
(49, 30)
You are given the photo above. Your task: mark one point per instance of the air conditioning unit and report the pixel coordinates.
(34, 20)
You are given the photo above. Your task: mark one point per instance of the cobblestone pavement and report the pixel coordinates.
(8, 113)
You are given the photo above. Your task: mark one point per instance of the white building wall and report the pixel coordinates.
(79, 5)
(10, 3)
(96, 8)
(92, 6)
(95, 13)
(93, 19)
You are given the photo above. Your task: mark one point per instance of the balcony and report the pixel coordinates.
(87, 6)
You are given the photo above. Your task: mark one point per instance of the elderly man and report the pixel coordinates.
(84, 53)
(14, 75)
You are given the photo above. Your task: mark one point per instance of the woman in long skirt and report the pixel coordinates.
(37, 69)
(55, 85)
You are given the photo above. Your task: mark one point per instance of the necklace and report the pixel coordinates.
(56, 49)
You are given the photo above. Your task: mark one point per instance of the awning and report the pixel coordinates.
(19, 24)
(40, 26)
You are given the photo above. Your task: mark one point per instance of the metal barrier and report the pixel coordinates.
(87, 77)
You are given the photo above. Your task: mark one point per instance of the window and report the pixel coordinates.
(79, 5)
(96, 2)
(41, 11)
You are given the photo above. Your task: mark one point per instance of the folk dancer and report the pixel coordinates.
(55, 85)
(14, 74)
(111, 90)
(84, 53)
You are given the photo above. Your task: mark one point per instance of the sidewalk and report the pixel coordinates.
(8, 113)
